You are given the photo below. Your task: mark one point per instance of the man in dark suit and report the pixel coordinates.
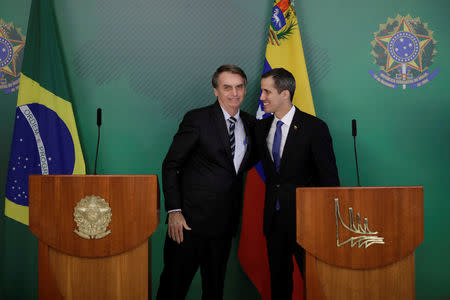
(296, 150)
(202, 177)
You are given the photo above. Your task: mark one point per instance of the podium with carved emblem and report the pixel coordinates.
(93, 233)
(360, 241)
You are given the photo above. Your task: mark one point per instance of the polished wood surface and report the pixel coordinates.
(133, 201)
(114, 267)
(123, 276)
(313, 288)
(46, 279)
(396, 213)
(394, 281)
(380, 271)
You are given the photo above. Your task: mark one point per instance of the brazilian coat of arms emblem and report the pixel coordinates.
(92, 215)
(404, 48)
(12, 42)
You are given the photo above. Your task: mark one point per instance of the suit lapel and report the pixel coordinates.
(266, 128)
(246, 139)
(294, 131)
(248, 149)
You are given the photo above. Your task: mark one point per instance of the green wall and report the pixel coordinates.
(147, 62)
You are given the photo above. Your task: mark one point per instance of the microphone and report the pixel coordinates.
(99, 116)
(99, 123)
(354, 146)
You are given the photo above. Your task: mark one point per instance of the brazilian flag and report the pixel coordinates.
(45, 139)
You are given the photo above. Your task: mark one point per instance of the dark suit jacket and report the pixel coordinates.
(198, 172)
(307, 161)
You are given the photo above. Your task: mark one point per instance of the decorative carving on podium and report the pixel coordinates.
(92, 215)
(366, 238)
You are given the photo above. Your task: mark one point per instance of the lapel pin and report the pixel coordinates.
(295, 127)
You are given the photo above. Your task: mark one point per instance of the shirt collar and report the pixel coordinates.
(287, 118)
(227, 115)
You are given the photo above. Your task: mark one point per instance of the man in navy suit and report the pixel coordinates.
(202, 178)
(296, 150)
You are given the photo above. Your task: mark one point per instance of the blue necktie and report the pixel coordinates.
(276, 153)
(276, 146)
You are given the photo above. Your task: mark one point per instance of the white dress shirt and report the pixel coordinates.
(287, 120)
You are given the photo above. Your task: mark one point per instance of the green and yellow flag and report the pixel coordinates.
(45, 139)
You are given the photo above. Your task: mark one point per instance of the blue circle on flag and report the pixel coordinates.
(42, 144)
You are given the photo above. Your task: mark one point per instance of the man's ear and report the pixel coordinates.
(286, 95)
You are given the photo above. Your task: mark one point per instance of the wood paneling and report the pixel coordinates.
(396, 213)
(123, 276)
(46, 279)
(381, 271)
(394, 281)
(134, 205)
(114, 267)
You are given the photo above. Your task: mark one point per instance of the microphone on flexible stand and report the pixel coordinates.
(99, 123)
(354, 146)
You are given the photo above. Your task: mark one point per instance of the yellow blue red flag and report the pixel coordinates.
(284, 50)
(45, 139)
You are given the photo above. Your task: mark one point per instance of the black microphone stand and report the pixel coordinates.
(99, 123)
(354, 147)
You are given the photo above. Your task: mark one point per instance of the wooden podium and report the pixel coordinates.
(114, 266)
(351, 259)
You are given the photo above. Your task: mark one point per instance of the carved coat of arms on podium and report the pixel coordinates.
(92, 215)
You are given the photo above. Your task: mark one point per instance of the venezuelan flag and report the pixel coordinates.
(284, 50)
(45, 139)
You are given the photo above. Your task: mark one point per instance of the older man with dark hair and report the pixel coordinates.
(202, 178)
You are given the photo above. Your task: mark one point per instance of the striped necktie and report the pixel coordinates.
(232, 121)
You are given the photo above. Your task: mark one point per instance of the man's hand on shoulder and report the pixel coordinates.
(176, 224)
